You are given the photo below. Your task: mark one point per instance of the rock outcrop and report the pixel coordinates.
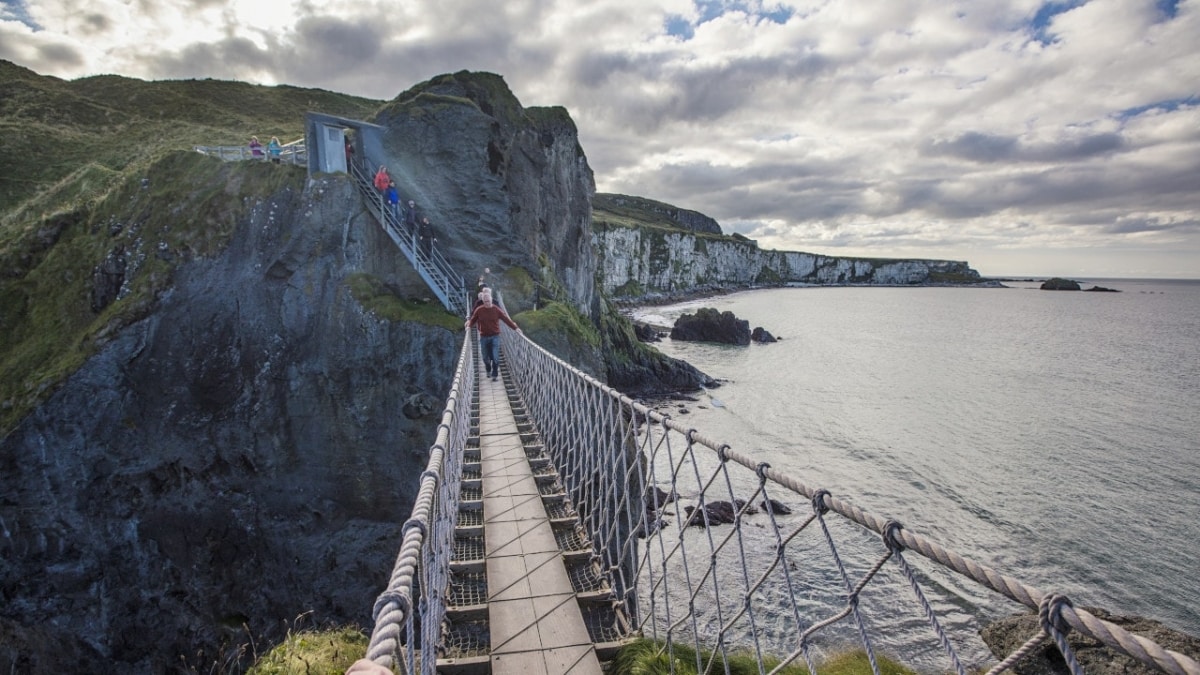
(1004, 636)
(243, 455)
(671, 215)
(711, 325)
(508, 188)
(1059, 284)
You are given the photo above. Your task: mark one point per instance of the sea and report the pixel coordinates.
(1053, 436)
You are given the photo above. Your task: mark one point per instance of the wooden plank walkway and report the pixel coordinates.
(535, 622)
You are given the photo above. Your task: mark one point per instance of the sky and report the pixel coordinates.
(1029, 138)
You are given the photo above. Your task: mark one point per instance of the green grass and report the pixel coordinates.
(49, 324)
(555, 320)
(72, 196)
(328, 652)
(377, 298)
(647, 657)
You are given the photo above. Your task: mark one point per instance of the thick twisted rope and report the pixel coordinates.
(573, 414)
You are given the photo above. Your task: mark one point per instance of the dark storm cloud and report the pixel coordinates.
(650, 91)
(94, 23)
(59, 55)
(990, 148)
(1134, 225)
(226, 59)
(975, 147)
(332, 44)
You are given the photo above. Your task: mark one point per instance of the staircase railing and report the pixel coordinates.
(449, 286)
(290, 153)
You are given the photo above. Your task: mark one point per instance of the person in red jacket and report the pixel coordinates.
(488, 317)
(382, 178)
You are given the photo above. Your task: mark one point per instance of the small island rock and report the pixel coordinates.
(1060, 284)
(709, 325)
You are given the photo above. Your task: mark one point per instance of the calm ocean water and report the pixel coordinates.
(1053, 436)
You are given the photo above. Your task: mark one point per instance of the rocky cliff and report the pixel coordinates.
(507, 187)
(220, 382)
(242, 455)
(637, 263)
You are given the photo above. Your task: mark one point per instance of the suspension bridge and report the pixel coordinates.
(550, 529)
(558, 519)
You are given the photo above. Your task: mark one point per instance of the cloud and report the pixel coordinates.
(905, 126)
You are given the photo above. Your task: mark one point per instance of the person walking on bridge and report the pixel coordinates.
(488, 317)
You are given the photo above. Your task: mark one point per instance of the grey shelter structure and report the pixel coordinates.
(325, 136)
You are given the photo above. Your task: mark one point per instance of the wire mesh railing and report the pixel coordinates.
(408, 614)
(668, 510)
(288, 153)
(703, 546)
(429, 262)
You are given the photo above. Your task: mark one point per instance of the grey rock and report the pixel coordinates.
(1006, 635)
(710, 325)
(760, 334)
(1059, 284)
(231, 455)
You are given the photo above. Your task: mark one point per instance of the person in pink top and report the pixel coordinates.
(488, 317)
(382, 178)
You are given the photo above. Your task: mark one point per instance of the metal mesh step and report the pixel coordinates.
(461, 639)
(467, 589)
(468, 548)
(570, 539)
(585, 578)
(603, 622)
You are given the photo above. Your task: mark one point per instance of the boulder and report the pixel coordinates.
(760, 334)
(710, 325)
(1059, 284)
(713, 513)
(1101, 289)
(1004, 636)
(645, 332)
(773, 506)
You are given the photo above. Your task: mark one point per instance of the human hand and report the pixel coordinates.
(365, 667)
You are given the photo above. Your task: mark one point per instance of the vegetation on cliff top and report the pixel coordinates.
(613, 210)
(99, 179)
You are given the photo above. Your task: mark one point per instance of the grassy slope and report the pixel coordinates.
(71, 194)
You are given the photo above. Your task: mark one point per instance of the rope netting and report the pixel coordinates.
(668, 511)
(403, 629)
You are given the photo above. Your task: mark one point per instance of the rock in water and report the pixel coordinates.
(710, 325)
(1059, 284)
(1004, 636)
(760, 334)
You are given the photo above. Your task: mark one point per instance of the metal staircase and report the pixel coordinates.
(435, 270)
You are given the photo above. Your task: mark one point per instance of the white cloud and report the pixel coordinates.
(913, 127)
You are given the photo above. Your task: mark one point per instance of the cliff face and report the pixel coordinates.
(506, 187)
(243, 455)
(638, 261)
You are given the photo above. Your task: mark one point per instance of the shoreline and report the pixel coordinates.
(659, 298)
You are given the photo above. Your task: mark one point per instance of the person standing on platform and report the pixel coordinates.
(488, 317)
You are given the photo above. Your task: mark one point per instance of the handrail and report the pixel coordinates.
(434, 269)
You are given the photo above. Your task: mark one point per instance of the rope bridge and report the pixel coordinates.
(654, 499)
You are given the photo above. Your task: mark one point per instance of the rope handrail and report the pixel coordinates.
(423, 560)
(613, 452)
